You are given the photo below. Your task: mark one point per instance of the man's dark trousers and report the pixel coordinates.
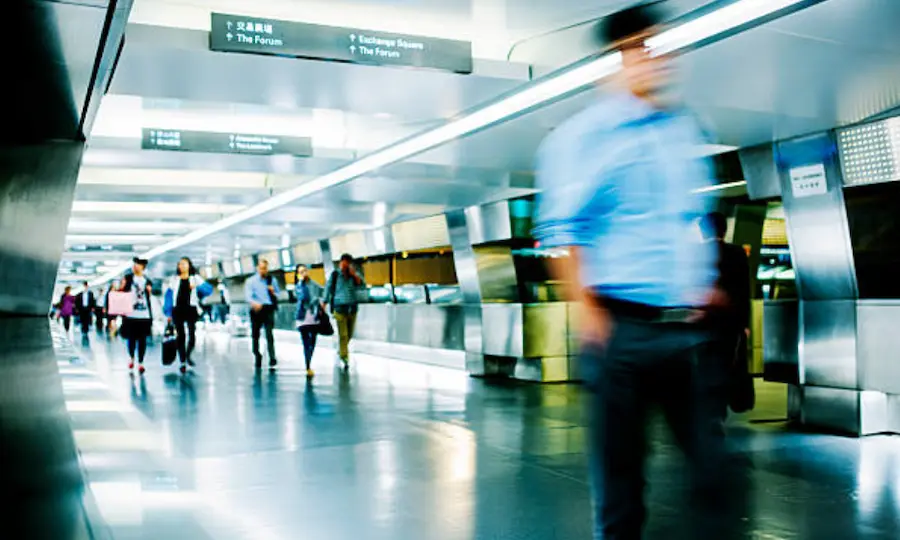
(264, 318)
(643, 364)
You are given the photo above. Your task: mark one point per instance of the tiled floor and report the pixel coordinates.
(399, 451)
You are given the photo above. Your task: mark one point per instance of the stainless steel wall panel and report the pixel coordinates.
(489, 223)
(781, 341)
(473, 334)
(546, 330)
(464, 258)
(828, 353)
(893, 409)
(833, 409)
(374, 322)
(413, 353)
(37, 185)
(496, 274)
(873, 412)
(545, 370)
(502, 330)
(817, 222)
(760, 171)
(878, 345)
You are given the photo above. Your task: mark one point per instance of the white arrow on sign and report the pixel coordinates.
(352, 37)
(352, 49)
(230, 36)
(230, 24)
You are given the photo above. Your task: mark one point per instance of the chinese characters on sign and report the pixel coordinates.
(231, 33)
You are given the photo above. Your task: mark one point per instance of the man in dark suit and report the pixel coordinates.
(85, 304)
(731, 322)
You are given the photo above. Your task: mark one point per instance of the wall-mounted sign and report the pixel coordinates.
(808, 180)
(225, 143)
(235, 33)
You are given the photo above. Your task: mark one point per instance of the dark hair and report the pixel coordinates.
(347, 257)
(85, 283)
(191, 269)
(140, 261)
(629, 22)
(298, 267)
(714, 225)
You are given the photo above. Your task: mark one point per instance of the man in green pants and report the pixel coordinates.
(342, 295)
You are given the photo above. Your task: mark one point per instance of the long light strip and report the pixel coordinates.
(539, 93)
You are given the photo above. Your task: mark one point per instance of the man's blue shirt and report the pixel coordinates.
(620, 180)
(256, 290)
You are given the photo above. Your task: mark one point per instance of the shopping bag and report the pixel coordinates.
(120, 303)
(169, 346)
(324, 327)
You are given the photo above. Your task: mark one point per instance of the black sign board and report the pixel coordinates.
(235, 33)
(225, 143)
(105, 247)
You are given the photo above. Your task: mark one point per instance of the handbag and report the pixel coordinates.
(741, 391)
(169, 346)
(120, 303)
(204, 290)
(324, 327)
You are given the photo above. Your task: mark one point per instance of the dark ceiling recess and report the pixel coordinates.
(728, 167)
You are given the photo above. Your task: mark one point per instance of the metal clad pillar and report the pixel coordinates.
(812, 189)
(467, 275)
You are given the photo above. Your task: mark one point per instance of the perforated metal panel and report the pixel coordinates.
(870, 154)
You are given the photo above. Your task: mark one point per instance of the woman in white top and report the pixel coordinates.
(138, 323)
(185, 308)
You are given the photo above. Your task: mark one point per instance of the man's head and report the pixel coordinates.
(262, 266)
(346, 261)
(139, 266)
(627, 31)
(714, 226)
(85, 285)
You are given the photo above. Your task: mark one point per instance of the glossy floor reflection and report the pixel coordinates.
(400, 451)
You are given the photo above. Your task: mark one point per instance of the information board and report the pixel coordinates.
(224, 143)
(236, 33)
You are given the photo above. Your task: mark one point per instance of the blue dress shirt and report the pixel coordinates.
(620, 181)
(257, 290)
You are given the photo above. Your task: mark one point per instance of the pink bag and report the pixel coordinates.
(120, 303)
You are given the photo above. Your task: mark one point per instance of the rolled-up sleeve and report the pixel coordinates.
(566, 194)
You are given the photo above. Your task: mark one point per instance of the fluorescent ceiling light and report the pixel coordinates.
(100, 176)
(113, 239)
(720, 187)
(99, 226)
(162, 208)
(541, 92)
(718, 22)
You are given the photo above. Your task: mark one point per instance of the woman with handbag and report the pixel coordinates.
(309, 309)
(182, 306)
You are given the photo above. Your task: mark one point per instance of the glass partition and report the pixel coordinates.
(873, 213)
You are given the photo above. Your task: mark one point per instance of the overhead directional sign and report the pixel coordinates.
(225, 143)
(235, 33)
